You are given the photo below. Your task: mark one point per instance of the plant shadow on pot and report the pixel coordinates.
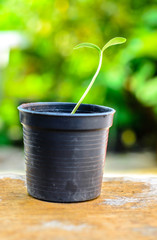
(65, 153)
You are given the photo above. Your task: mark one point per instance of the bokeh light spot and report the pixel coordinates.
(62, 6)
(128, 137)
(15, 133)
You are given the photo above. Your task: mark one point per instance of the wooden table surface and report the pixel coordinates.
(126, 209)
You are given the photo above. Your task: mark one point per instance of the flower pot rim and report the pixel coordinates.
(104, 110)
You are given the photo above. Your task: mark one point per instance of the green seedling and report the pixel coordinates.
(114, 41)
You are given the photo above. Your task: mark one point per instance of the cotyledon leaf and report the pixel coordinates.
(114, 41)
(89, 45)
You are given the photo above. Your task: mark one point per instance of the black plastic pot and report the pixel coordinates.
(65, 153)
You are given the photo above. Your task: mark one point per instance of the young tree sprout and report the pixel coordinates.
(114, 41)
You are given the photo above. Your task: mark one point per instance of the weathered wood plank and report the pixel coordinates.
(126, 209)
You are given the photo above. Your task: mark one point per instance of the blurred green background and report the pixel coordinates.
(38, 63)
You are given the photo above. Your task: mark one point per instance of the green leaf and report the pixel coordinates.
(114, 41)
(89, 45)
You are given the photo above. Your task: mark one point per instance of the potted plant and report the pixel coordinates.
(65, 145)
